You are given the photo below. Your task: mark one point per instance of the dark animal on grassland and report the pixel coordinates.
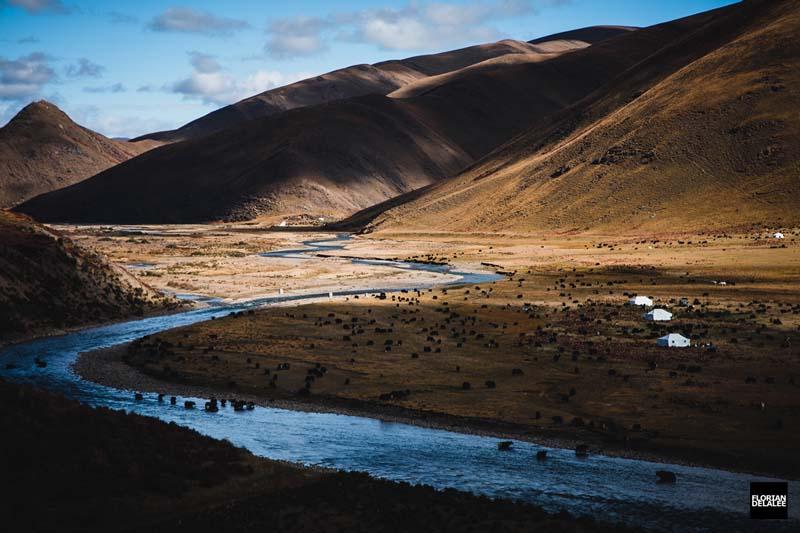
(665, 476)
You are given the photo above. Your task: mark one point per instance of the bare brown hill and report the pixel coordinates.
(360, 80)
(527, 53)
(704, 134)
(352, 81)
(48, 283)
(591, 34)
(327, 162)
(331, 160)
(42, 149)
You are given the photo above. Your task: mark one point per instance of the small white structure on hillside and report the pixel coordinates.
(673, 340)
(778, 235)
(282, 224)
(658, 315)
(644, 301)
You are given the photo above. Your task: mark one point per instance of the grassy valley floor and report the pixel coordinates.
(224, 261)
(552, 352)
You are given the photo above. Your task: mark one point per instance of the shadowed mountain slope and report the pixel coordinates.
(48, 283)
(323, 161)
(591, 34)
(703, 134)
(360, 80)
(42, 149)
(331, 160)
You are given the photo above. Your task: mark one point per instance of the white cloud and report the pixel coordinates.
(117, 17)
(211, 84)
(415, 26)
(402, 33)
(187, 20)
(84, 69)
(461, 14)
(288, 46)
(117, 124)
(207, 86)
(37, 7)
(412, 32)
(24, 77)
(113, 88)
(300, 36)
(264, 80)
(439, 24)
(204, 63)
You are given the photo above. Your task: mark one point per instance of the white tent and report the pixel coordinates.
(673, 340)
(778, 235)
(644, 301)
(658, 315)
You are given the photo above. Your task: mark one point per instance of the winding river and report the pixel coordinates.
(608, 488)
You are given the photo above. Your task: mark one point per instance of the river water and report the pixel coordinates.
(608, 488)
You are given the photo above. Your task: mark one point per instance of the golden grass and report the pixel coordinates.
(561, 322)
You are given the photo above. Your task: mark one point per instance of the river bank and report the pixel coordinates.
(238, 353)
(568, 361)
(180, 307)
(238, 262)
(113, 471)
(108, 367)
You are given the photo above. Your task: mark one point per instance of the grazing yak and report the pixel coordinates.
(665, 476)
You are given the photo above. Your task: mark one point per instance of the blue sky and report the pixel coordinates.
(127, 68)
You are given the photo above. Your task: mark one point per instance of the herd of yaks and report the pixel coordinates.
(582, 450)
(211, 406)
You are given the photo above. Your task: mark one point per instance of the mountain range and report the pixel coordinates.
(332, 159)
(360, 80)
(704, 134)
(688, 123)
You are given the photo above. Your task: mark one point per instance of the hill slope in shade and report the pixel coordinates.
(331, 160)
(527, 53)
(360, 80)
(42, 149)
(48, 284)
(591, 34)
(324, 162)
(714, 143)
